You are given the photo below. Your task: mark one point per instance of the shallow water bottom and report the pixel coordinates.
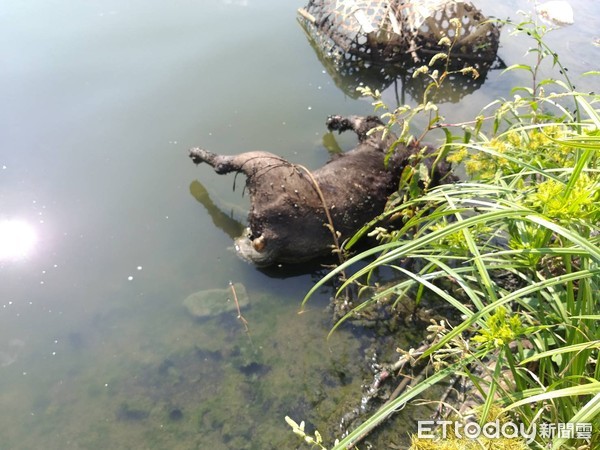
(183, 383)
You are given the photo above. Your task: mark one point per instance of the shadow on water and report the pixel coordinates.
(230, 223)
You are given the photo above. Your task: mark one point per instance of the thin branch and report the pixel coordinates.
(239, 316)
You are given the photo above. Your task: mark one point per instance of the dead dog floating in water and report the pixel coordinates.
(292, 210)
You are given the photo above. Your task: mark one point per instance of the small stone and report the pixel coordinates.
(213, 302)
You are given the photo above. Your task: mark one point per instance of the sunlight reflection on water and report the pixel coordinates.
(17, 239)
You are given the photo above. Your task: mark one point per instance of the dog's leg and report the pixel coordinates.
(222, 164)
(249, 163)
(359, 124)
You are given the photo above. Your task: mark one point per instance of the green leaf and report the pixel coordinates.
(568, 349)
(573, 391)
(518, 67)
(586, 414)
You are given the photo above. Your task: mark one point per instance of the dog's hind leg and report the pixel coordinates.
(249, 163)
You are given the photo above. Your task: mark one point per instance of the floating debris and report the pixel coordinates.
(386, 31)
(557, 13)
(380, 42)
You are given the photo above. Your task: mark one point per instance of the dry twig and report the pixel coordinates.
(239, 316)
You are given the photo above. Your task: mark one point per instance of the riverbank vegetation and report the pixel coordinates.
(514, 249)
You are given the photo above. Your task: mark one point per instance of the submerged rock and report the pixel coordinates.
(212, 302)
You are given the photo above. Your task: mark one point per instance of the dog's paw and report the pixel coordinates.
(338, 123)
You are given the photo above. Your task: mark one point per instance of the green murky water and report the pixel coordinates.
(102, 238)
